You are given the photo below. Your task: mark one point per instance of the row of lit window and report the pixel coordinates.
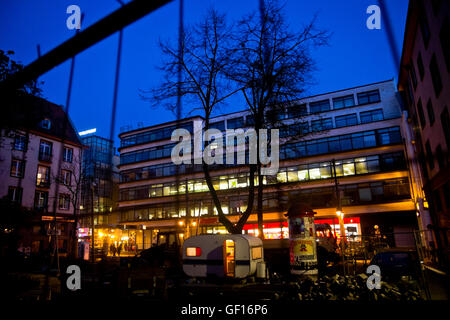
(324, 197)
(324, 170)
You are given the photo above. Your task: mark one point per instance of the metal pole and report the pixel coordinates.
(92, 225)
(129, 13)
(116, 89)
(340, 216)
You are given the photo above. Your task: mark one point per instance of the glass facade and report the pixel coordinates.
(346, 120)
(154, 135)
(369, 97)
(343, 102)
(319, 106)
(324, 197)
(147, 154)
(301, 173)
(235, 123)
(371, 116)
(322, 124)
(97, 184)
(341, 143)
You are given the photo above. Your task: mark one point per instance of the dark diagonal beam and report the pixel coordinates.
(112, 23)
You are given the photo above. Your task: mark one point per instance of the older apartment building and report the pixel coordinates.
(358, 128)
(30, 158)
(424, 81)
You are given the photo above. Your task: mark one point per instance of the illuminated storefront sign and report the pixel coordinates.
(279, 230)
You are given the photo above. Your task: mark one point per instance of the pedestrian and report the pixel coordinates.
(119, 248)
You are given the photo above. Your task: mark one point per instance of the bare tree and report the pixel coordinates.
(203, 56)
(262, 59)
(273, 65)
(71, 179)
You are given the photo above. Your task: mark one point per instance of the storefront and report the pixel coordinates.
(112, 241)
(280, 230)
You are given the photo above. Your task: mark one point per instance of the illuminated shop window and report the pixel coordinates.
(314, 173)
(242, 182)
(223, 184)
(325, 171)
(232, 183)
(292, 174)
(281, 176)
(303, 175)
(349, 169)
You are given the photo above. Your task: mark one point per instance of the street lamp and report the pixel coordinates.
(340, 215)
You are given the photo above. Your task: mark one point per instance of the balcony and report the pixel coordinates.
(43, 184)
(46, 157)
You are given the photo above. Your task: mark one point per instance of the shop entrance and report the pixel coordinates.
(229, 257)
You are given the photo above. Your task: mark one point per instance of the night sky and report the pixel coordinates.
(355, 56)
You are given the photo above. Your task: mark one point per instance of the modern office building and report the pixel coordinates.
(99, 189)
(358, 129)
(30, 157)
(424, 82)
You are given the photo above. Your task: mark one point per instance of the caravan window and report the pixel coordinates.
(256, 253)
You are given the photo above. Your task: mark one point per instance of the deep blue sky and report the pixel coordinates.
(355, 56)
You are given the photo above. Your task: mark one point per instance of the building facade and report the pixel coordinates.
(354, 132)
(99, 190)
(38, 172)
(424, 82)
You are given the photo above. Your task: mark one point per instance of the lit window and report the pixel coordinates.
(256, 253)
(223, 185)
(314, 173)
(303, 175)
(193, 252)
(281, 176)
(43, 176)
(361, 166)
(233, 183)
(349, 169)
(325, 171)
(292, 174)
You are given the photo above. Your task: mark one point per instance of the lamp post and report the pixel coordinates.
(340, 214)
